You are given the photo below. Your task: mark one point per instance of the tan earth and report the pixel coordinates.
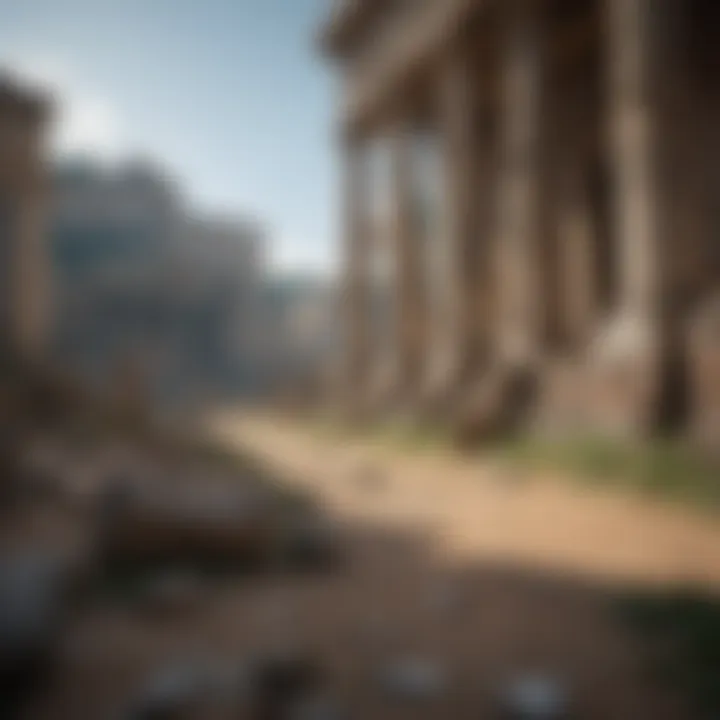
(463, 563)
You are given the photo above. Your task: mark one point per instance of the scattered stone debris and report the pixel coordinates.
(35, 596)
(175, 692)
(316, 708)
(280, 682)
(535, 697)
(446, 598)
(415, 679)
(184, 523)
(375, 634)
(173, 591)
(309, 543)
(40, 479)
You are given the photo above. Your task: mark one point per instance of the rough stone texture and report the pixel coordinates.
(35, 595)
(623, 379)
(704, 357)
(590, 131)
(500, 404)
(176, 523)
(24, 275)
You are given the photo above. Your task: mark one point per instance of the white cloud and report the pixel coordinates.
(85, 122)
(292, 254)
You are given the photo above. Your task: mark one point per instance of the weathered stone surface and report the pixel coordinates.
(415, 679)
(704, 361)
(281, 681)
(35, 596)
(173, 592)
(623, 377)
(499, 403)
(588, 238)
(176, 692)
(308, 543)
(316, 708)
(165, 523)
(535, 697)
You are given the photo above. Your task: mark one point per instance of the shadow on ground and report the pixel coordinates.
(619, 652)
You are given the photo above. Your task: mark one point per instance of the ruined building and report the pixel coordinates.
(532, 211)
(24, 271)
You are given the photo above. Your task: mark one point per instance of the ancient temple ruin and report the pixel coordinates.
(24, 270)
(542, 231)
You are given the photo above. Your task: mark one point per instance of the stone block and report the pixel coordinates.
(704, 371)
(184, 524)
(624, 379)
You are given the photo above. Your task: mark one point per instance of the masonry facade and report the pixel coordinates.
(24, 271)
(543, 229)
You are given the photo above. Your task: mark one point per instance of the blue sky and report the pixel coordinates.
(230, 95)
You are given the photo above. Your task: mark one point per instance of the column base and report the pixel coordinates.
(439, 393)
(500, 402)
(625, 378)
(704, 375)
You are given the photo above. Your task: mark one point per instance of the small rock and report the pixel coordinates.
(446, 598)
(416, 679)
(309, 544)
(35, 596)
(280, 681)
(174, 692)
(535, 697)
(315, 708)
(174, 592)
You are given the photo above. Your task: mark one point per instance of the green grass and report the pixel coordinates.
(682, 634)
(663, 468)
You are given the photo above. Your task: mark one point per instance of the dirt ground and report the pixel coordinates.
(485, 574)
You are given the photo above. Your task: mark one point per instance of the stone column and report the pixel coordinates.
(629, 352)
(355, 310)
(519, 233)
(450, 336)
(404, 240)
(578, 292)
(633, 118)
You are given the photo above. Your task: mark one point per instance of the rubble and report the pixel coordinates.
(160, 524)
(535, 697)
(308, 543)
(36, 591)
(175, 692)
(281, 682)
(173, 591)
(414, 679)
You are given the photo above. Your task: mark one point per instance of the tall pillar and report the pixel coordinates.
(519, 222)
(578, 262)
(633, 120)
(452, 318)
(630, 351)
(405, 247)
(355, 300)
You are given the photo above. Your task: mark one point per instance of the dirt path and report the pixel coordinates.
(475, 510)
(457, 563)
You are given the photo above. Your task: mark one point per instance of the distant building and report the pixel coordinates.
(219, 270)
(299, 332)
(111, 237)
(24, 278)
(143, 282)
